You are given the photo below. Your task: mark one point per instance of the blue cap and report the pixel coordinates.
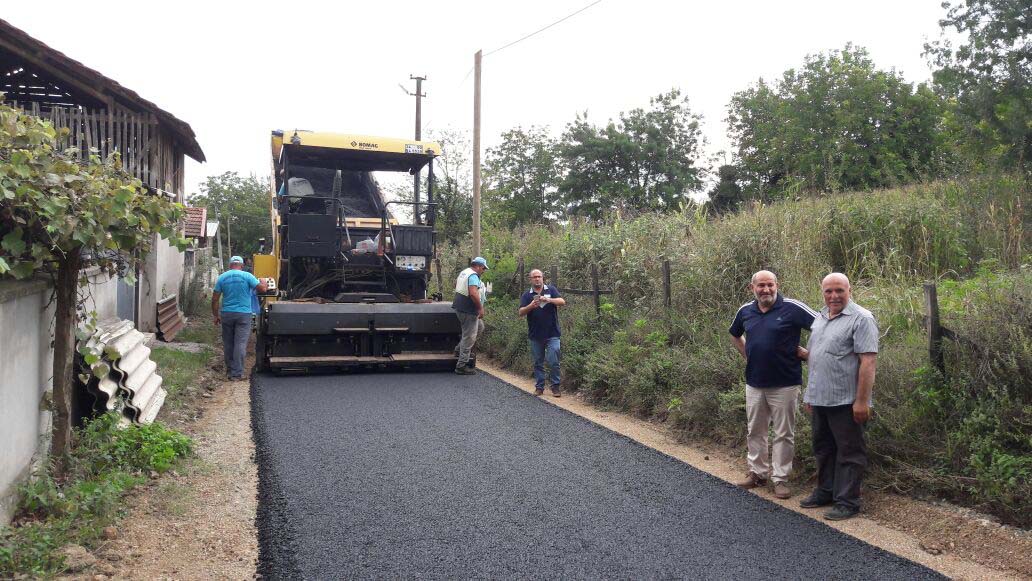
(481, 261)
(236, 260)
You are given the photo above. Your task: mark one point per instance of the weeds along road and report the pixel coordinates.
(435, 475)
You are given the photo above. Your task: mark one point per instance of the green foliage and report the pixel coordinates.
(180, 369)
(521, 177)
(194, 297)
(836, 124)
(108, 461)
(726, 195)
(242, 207)
(678, 364)
(54, 206)
(988, 80)
(453, 187)
(647, 161)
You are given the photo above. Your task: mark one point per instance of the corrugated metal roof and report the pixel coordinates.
(124, 373)
(213, 228)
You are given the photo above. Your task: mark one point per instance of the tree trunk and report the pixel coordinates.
(64, 356)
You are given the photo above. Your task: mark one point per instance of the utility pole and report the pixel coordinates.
(218, 242)
(476, 153)
(229, 235)
(419, 135)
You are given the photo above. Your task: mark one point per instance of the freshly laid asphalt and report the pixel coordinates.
(433, 475)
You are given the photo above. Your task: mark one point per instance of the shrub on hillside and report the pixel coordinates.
(966, 437)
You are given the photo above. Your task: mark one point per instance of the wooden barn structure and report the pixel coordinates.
(105, 116)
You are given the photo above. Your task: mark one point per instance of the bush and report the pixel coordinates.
(107, 462)
(966, 437)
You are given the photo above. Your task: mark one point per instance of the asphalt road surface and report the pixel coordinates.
(439, 476)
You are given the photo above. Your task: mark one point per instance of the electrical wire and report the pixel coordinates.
(519, 40)
(567, 17)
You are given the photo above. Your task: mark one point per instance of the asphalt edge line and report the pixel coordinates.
(881, 536)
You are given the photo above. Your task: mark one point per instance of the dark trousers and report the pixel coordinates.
(236, 330)
(838, 445)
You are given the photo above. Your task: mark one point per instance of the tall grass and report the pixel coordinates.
(966, 435)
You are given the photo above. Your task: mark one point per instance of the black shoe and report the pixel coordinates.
(465, 371)
(814, 500)
(539, 390)
(840, 512)
(556, 392)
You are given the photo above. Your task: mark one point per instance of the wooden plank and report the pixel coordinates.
(594, 289)
(934, 327)
(666, 284)
(88, 126)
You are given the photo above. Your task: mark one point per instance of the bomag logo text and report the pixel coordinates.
(369, 145)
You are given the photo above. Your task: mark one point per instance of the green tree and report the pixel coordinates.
(242, 205)
(726, 195)
(836, 124)
(453, 186)
(58, 215)
(988, 78)
(647, 161)
(522, 176)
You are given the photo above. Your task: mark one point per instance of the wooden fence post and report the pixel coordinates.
(666, 284)
(553, 274)
(934, 327)
(594, 289)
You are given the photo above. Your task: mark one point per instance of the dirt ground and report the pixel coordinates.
(199, 522)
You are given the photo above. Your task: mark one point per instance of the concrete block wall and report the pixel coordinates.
(26, 365)
(160, 277)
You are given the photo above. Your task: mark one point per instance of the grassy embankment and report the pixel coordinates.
(965, 435)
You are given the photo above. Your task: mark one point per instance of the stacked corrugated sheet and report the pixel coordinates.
(119, 372)
(170, 318)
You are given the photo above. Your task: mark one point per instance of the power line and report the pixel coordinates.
(429, 123)
(567, 17)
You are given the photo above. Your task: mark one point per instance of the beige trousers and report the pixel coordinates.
(765, 407)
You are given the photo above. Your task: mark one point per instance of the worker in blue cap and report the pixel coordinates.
(231, 307)
(469, 307)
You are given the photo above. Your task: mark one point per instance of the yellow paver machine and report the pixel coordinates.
(350, 282)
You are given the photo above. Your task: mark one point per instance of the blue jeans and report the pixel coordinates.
(542, 350)
(236, 330)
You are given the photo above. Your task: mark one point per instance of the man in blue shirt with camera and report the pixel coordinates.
(540, 306)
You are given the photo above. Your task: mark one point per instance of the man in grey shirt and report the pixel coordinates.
(842, 355)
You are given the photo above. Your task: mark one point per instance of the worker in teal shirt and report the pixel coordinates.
(235, 288)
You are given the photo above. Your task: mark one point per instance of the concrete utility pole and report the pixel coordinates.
(229, 235)
(419, 94)
(476, 153)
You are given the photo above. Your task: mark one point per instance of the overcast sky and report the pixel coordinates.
(236, 70)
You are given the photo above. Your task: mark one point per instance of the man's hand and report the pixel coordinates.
(218, 320)
(802, 353)
(861, 411)
(480, 313)
(808, 408)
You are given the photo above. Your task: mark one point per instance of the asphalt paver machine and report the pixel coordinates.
(350, 283)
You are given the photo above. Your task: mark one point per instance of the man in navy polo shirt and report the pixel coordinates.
(540, 306)
(773, 373)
